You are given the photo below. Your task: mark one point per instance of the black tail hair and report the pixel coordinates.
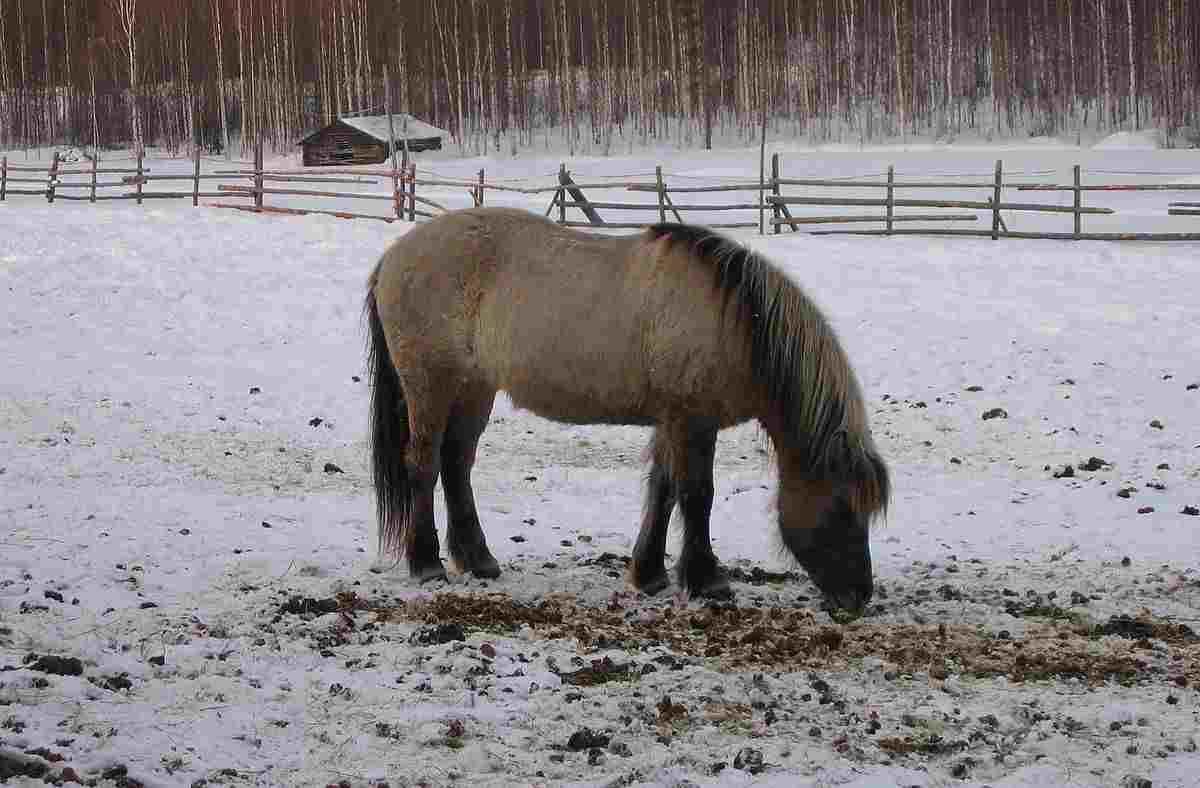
(389, 437)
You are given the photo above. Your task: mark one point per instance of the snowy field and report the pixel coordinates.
(189, 591)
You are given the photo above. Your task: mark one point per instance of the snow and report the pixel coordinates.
(164, 368)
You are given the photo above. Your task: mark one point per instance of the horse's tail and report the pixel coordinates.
(389, 437)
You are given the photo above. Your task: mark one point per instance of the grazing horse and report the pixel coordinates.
(677, 328)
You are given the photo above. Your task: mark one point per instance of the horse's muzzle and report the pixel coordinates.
(852, 599)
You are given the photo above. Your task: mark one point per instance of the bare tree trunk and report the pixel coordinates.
(510, 82)
(1104, 117)
(1134, 109)
(899, 68)
(218, 40)
(127, 17)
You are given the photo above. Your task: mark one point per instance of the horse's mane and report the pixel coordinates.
(795, 352)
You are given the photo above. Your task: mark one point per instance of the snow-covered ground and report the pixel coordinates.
(178, 385)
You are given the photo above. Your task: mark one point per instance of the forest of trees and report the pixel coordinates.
(594, 75)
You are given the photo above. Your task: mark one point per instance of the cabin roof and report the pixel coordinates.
(376, 126)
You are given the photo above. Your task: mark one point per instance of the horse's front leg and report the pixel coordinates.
(693, 451)
(647, 571)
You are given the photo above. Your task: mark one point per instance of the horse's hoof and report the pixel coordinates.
(486, 570)
(428, 574)
(717, 588)
(651, 585)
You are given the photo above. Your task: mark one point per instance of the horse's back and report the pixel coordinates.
(576, 327)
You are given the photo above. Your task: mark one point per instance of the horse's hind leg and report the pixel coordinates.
(693, 448)
(428, 414)
(464, 536)
(647, 571)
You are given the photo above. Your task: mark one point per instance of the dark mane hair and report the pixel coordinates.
(794, 351)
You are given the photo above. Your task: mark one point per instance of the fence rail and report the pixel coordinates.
(774, 197)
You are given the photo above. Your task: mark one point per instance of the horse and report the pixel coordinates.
(676, 328)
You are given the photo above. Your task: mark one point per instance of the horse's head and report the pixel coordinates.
(824, 519)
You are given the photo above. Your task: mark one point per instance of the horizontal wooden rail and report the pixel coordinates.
(1183, 205)
(835, 219)
(625, 206)
(1119, 187)
(304, 193)
(307, 211)
(898, 184)
(1031, 236)
(733, 187)
(134, 180)
(1183, 212)
(980, 205)
(89, 184)
(607, 225)
(100, 171)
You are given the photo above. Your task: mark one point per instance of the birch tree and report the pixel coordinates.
(126, 13)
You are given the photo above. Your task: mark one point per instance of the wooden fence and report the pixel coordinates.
(769, 209)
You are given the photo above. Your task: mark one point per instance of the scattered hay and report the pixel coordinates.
(754, 638)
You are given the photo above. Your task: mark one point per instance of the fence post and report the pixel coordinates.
(3, 177)
(50, 181)
(562, 193)
(258, 175)
(1077, 203)
(479, 199)
(140, 175)
(891, 197)
(662, 192)
(196, 179)
(412, 191)
(775, 193)
(92, 192)
(996, 202)
(397, 202)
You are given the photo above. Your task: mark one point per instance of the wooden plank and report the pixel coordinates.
(1183, 212)
(96, 185)
(891, 197)
(650, 187)
(662, 210)
(977, 204)
(1118, 187)
(53, 179)
(775, 193)
(258, 175)
(3, 177)
(128, 196)
(1025, 236)
(853, 184)
(306, 212)
(995, 201)
(101, 170)
(1183, 205)
(610, 225)
(847, 218)
(628, 206)
(253, 190)
(1077, 203)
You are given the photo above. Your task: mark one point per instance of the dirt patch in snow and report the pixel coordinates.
(1123, 650)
